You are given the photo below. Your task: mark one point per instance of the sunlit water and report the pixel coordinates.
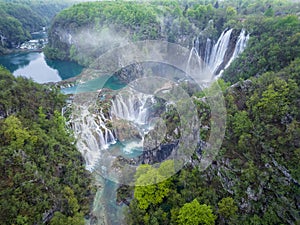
(34, 65)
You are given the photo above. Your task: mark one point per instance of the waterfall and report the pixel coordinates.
(218, 56)
(240, 46)
(219, 50)
(92, 134)
(132, 106)
(207, 51)
(92, 128)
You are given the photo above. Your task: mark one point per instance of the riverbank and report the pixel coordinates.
(36, 44)
(6, 51)
(19, 50)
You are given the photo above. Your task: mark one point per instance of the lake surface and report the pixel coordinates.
(110, 82)
(34, 65)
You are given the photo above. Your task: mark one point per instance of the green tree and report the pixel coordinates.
(152, 184)
(193, 214)
(227, 208)
(14, 133)
(241, 123)
(72, 203)
(61, 219)
(231, 12)
(269, 12)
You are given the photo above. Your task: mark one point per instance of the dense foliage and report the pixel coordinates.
(43, 179)
(75, 32)
(255, 178)
(275, 42)
(20, 18)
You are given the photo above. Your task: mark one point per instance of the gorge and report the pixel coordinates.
(117, 128)
(134, 108)
(182, 113)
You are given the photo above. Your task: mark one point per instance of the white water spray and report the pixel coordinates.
(214, 55)
(132, 106)
(240, 46)
(219, 50)
(92, 134)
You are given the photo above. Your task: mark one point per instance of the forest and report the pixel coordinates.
(255, 178)
(42, 173)
(19, 18)
(176, 22)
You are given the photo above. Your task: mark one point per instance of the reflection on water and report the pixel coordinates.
(65, 69)
(38, 70)
(15, 61)
(34, 65)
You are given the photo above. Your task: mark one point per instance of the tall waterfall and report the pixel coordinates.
(218, 51)
(240, 46)
(218, 56)
(132, 106)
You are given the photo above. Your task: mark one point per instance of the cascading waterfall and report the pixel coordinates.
(240, 46)
(92, 134)
(132, 107)
(218, 56)
(218, 51)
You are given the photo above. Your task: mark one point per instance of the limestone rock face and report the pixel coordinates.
(240, 90)
(159, 154)
(124, 130)
(130, 73)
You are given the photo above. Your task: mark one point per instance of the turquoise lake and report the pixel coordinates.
(34, 65)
